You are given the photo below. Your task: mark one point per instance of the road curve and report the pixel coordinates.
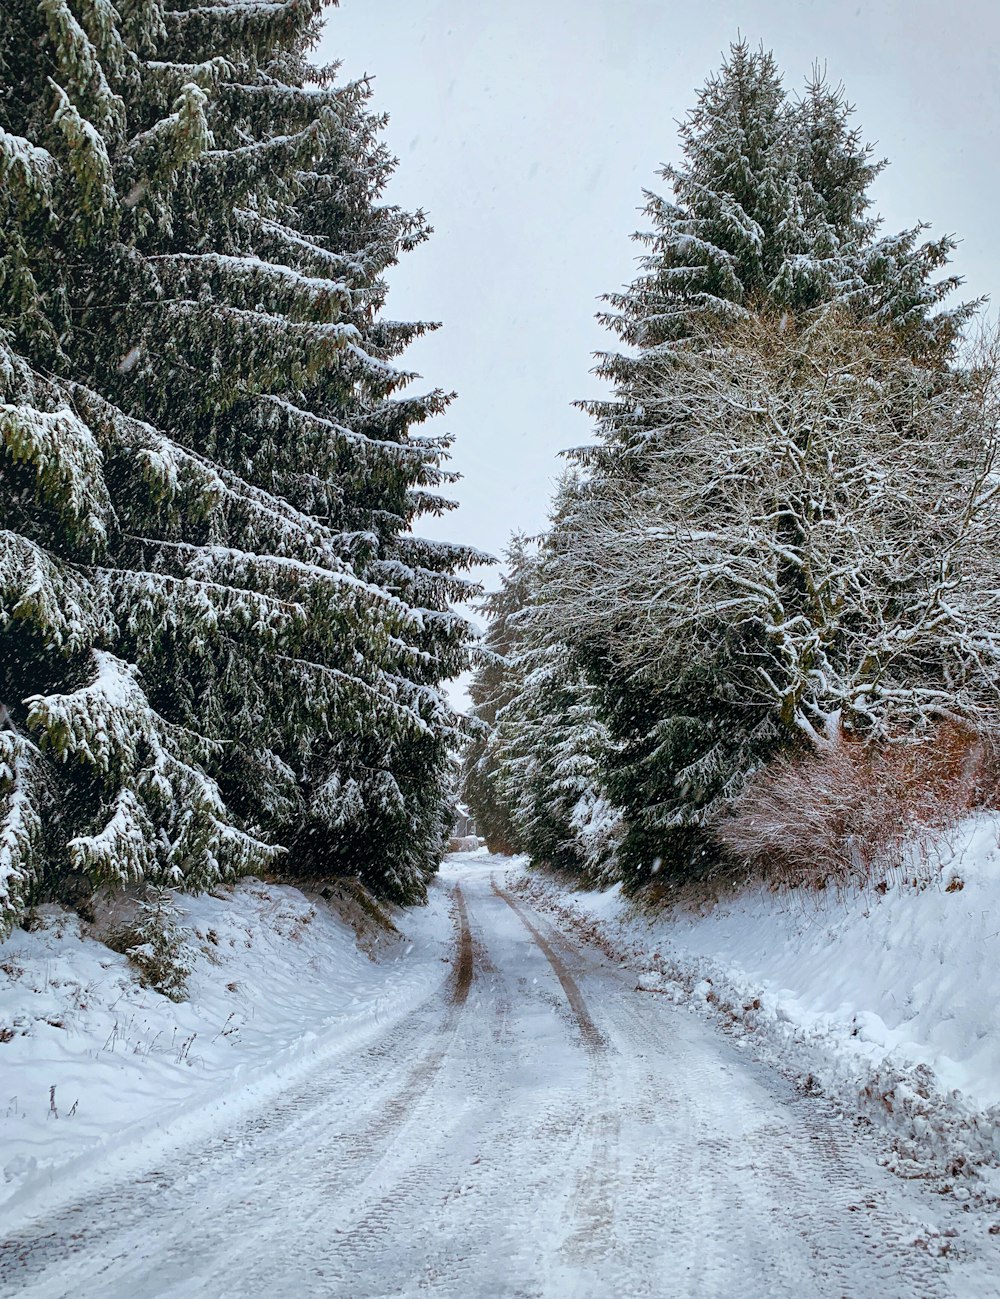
(536, 1130)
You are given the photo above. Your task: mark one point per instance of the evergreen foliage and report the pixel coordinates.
(533, 775)
(770, 208)
(812, 550)
(769, 214)
(495, 686)
(155, 945)
(734, 567)
(220, 645)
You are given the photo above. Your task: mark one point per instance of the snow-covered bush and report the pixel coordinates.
(822, 506)
(156, 945)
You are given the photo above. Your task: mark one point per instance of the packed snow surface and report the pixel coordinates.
(497, 1112)
(886, 997)
(90, 1059)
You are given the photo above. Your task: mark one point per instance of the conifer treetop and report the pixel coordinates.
(770, 208)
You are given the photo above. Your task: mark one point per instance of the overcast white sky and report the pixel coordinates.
(528, 130)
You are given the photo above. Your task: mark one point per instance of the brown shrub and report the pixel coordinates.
(846, 815)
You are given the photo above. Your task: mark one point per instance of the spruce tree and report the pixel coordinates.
(219, 644)
(495, 685)
(533, 775)
(769, 207)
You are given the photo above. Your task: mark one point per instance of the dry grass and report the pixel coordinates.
(853, 814)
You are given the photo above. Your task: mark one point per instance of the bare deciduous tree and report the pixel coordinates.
(822, 505)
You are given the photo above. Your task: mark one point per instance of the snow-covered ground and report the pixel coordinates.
(92, 1063)
(532, 1126)
(885, 1001)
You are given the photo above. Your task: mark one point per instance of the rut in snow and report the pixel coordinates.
(536, 1127)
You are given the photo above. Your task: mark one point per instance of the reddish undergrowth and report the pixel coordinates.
(857, 812)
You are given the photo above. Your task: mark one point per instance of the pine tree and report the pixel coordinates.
(770, 208)
(546, 753)
(219, 645)
(495, 685)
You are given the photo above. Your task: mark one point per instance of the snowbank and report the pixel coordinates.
(887, 1002)
(90, 1060)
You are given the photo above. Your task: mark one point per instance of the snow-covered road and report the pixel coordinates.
(537, 1127)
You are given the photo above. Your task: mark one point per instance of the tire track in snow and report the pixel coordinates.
(361, 1147)
(30, 1256)
(362, 1158)
(568, 1132)
(591, 1235)
(787, 1155)
(465, 967)
(592, 1036)
(527, 1163)
(387, 1210)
